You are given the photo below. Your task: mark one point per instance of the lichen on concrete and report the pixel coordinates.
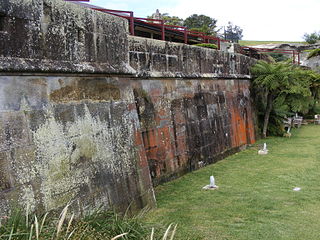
(70, 156)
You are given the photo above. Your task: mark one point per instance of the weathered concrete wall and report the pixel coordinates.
(67, 138)
(93, 116)
(313, 63)
(70, 139)
(154, 58)
(200, 114)
(186, 124)
(57, 36)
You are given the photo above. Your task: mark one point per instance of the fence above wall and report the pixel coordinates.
(158, 27)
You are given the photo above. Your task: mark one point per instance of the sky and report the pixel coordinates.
(277, 20)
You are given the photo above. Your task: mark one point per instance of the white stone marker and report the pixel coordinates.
(212, 185)
(263, 151)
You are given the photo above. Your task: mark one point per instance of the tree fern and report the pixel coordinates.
(284, 88)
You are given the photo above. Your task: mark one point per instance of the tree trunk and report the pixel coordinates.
(267, 115)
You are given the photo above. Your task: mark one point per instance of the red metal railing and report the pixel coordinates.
(159, 23)
(275, 50)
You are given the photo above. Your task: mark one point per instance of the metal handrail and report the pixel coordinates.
(275, 50)
(161, 24)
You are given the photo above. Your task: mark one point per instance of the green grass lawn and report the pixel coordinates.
(255, 199)
(253, 43)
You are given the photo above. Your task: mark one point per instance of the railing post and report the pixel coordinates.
(219, 43)
(298, 58)
(293, 57)
(185, 36)
(131, 24)
(163, 37)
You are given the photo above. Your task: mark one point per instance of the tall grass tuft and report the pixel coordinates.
(100, 225)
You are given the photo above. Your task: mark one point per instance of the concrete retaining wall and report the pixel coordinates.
(92, 116)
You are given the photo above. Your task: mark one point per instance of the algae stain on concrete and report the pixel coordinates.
(68, 157)
(93, 90)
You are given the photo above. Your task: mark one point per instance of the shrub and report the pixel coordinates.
(207, 45)
(312, 37)
(314, 53)
(279, 57)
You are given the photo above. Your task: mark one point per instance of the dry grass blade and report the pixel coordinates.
(31, 232)
(127, 210)
(142, 213)
(152, 234)
(69, 223)
(119, 236)
(167, 232)
(11, 233)
(61, 220)
(173, 232)
(71, 234)
(43, 221)
(27, 215)
(36, 226)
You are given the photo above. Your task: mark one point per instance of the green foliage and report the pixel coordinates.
(100, 225)
(233, 33)
(276, 127)
(280, 89)
(279, 57)
(207, 45)
(172, 20)
(271, 76)
(111, 224)
(169, 20)
(315, 91)
(277, 116)
(201, 23)
(312, 37)
(314, 53)
(315, 110)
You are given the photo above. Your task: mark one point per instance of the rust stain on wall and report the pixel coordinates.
(194, 123)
